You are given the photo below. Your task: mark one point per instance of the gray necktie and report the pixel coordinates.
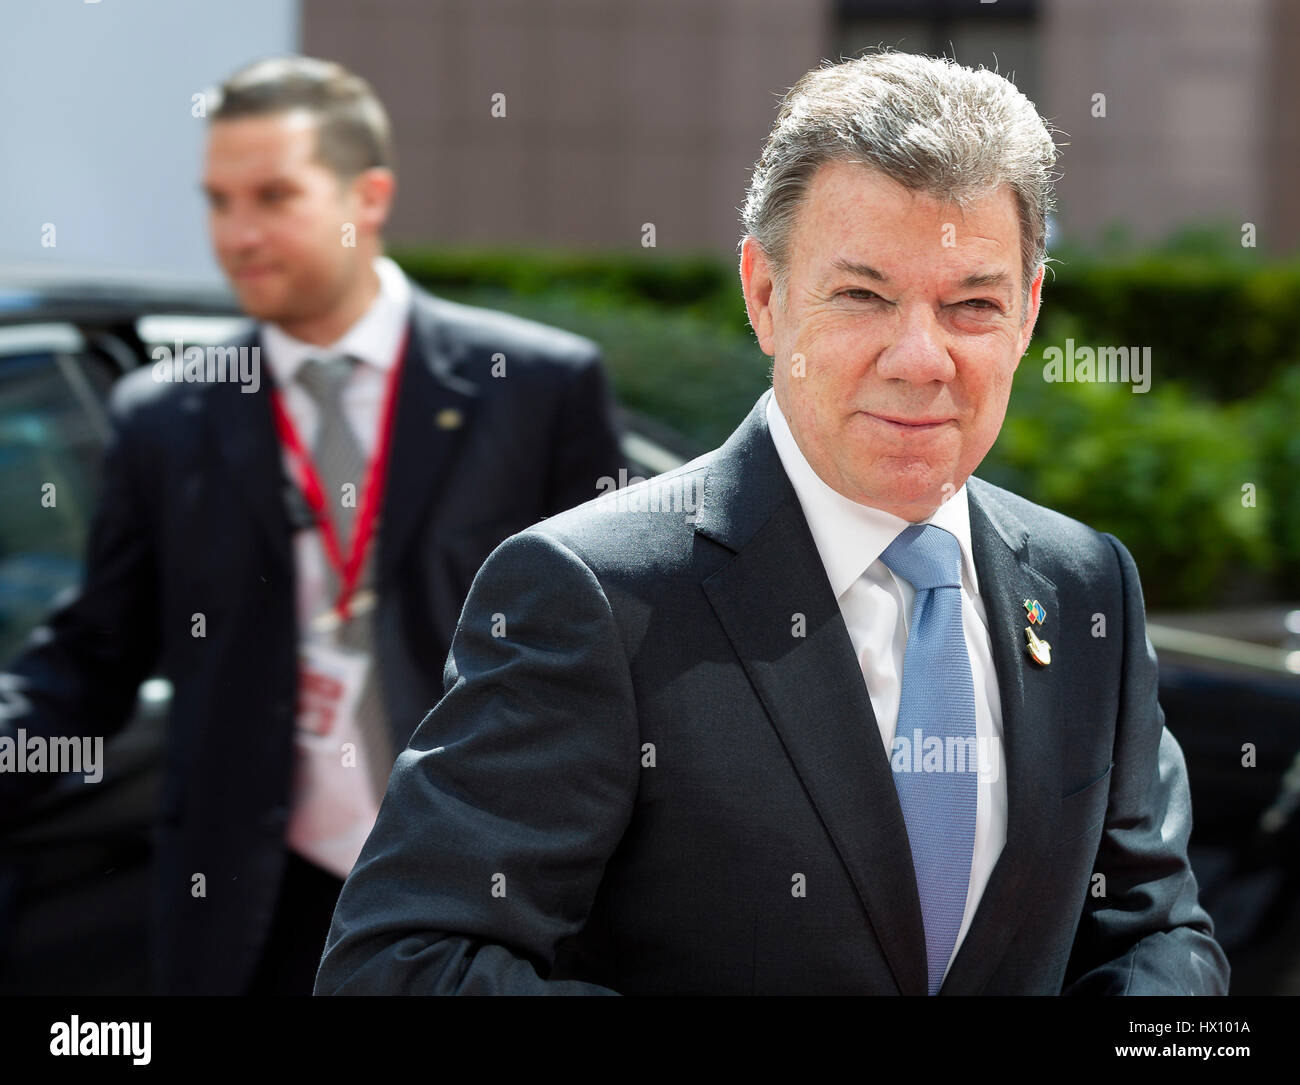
(339, 461)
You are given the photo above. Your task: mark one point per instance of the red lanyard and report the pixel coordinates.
(349, 569)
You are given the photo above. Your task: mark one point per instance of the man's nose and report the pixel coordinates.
(237, 229)
(917, 348)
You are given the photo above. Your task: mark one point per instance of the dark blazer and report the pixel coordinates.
(619, 793)
(193, 520)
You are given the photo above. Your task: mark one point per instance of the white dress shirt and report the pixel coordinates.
(334, 808)
(877, 607)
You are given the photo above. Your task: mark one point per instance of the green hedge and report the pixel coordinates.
(702, 286)
(1273, 419)
(1163, 470)
(1219, 328)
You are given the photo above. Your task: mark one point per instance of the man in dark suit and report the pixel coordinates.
(820, 711)
(230, 544)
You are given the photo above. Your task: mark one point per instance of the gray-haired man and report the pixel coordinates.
(819, 712)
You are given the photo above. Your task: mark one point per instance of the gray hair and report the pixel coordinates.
(930, 124)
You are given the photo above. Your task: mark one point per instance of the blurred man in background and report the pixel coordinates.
(291, 544)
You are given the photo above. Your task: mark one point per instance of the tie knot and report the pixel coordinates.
(324, 376)
(926, 556)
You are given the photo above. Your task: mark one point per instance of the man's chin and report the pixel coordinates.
(260, 307)
(908, 499)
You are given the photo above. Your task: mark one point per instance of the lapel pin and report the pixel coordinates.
(449, 418)
(1039, 650)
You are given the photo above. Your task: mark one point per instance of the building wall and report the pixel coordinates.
(623, 112)
(1280, 113)
(617, 114)
(1189, 120)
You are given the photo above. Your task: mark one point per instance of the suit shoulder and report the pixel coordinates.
(634, 524)
(139, 396)
(153, 408)
(477, 330)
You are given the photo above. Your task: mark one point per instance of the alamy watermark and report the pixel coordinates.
(919, 752)
(61, 753)
(1103, 365)
(665, 493)
(131, 1039)
(208, 365)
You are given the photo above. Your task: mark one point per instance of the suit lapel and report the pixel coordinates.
(811, 685)
(434, 408)
(245, 439)
(1031, 712)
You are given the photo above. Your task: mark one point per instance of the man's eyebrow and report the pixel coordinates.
(269, 182)
(986, 278)
(865, 271)
(975, 280)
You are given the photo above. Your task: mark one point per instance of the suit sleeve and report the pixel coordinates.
(1147, 934)
(514, 791)
(80, 672)
(585, 443)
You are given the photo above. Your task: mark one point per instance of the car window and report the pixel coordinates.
(52, 433)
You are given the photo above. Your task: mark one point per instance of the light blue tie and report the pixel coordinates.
(937, 790)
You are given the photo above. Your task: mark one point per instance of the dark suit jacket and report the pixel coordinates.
(193, 520)
(618, 793)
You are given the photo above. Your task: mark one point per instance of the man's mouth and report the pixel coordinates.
(906, 424)
(258, 271)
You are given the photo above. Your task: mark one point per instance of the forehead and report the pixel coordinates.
(853, 213)
(251, 147)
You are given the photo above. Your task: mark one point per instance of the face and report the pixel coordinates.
(901, 327)
(276, 217)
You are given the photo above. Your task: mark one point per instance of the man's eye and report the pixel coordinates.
(982, 303)
(858, 294)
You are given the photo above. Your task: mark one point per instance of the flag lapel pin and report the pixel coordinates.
(1039, 650)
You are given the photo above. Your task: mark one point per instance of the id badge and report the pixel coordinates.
(330, 681)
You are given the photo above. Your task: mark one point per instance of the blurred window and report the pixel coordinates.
(52, 432)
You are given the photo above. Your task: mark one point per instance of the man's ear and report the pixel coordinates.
(760, 292)
(1031, 312)
(372, 193)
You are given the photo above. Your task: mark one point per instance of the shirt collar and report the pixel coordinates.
(374, 338)
(850, 536)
